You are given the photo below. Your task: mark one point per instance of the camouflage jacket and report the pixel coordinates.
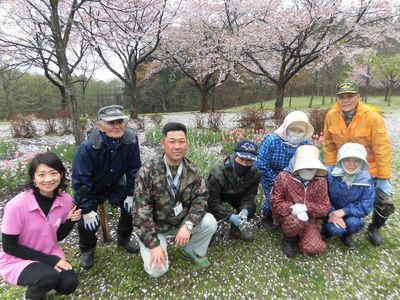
(154, 201)
(225, 186)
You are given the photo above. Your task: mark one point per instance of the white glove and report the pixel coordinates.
(128, 204)
(298, 208)
(303, 216)
(91, 221)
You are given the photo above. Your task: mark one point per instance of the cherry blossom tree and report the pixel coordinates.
(42, 33)
(196, 45)
(125, 33)
(277, 39)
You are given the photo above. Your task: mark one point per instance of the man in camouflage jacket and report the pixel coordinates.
(171, 200)
(235, 181)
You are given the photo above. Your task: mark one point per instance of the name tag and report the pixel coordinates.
(178, 208)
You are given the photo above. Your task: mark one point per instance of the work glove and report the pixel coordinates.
(384, 186)
(298, 208)
(128, 204)
(91, 221)
(302, 216)
(243, 214)
(235, 219)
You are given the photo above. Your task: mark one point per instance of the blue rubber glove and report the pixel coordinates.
(235, 219)
(244, 213)
(384, 186)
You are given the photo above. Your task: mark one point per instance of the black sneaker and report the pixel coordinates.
(348, 241)
(87, 259)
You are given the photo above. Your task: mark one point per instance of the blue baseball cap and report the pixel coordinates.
(246, 149)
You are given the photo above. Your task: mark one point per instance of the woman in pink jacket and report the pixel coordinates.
(33, 223)
(298, 198)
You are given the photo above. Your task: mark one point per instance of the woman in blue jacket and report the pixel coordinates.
(275, 153)
(351, 192)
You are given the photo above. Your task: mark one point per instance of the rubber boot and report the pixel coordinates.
(129, 246)
(347, 240)
(289, 245)
(245, 234)
(87, 260)
(373, 229)
(325, 234)
(267, 222)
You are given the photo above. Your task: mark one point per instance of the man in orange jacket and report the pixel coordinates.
(350, 120)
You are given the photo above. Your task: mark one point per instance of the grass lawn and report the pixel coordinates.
(256, 270)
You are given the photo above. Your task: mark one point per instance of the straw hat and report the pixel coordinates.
(307, 157)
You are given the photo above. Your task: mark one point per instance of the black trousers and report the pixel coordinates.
(41, 278)
(88, 239)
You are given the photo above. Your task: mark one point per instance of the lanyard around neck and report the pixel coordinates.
(174, 183)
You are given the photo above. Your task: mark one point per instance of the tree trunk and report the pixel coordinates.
(314, 92)
(7, 102)
(332, 93)
(204, 100)
(65, 73)
(134, 100)
(389, 95)
(386, 93)
(366, 90)
(280, 93)
(64, 100)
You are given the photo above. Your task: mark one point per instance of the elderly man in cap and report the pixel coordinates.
(350, 120)
(104, 168)
(235, 181)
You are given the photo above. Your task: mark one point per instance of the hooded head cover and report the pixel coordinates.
(348, 150)
(295, 119)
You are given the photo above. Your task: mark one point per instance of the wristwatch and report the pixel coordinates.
(189, 225)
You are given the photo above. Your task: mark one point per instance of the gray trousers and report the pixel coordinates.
(199, 241)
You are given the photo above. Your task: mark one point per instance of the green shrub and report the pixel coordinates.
(6, 148)
(65, 152)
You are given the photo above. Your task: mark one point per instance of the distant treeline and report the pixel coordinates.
(24, 93)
